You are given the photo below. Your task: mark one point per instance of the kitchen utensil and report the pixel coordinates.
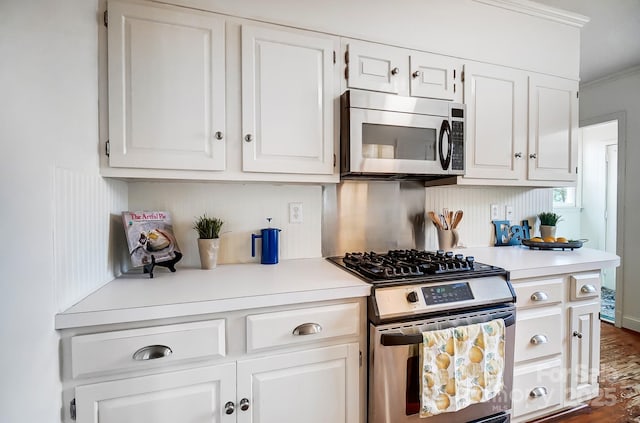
(457, 217)
(270, 244)
(435, 219)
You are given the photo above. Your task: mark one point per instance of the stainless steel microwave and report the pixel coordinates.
(385, 136)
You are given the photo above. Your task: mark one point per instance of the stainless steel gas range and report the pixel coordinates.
(418, 291)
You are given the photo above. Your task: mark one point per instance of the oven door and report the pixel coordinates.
(394, 370)
(385, 142)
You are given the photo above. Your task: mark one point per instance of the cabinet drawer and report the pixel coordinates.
(301, 325)
(538, 333)
(537, 387)
(585, 285)
(539, 292)
(133, 349)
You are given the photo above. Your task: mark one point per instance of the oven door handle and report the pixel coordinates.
(397, 339)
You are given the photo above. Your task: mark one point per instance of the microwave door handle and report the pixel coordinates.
(445, 161)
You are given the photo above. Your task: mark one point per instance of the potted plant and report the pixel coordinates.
(548, 221)
(208, 229)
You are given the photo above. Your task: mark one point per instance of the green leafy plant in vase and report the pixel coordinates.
(208, 229)
(548, 222)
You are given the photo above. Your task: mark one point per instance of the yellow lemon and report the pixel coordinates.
(549, 239)
(451, 387)
(443, 401)
(429, 380)
(442, 361)
(561, 239)
(475, 355)
(449, 348)
(479, 342)
(536, 239)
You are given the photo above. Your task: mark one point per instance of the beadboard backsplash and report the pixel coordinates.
(88, 234)
(244, 208)
(476, 229)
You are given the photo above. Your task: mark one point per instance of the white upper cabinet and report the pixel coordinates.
(435, 76)
(553, 124)
(377, 67)
(166, 88)
(288, 95)
(388, 69)
(496, 136)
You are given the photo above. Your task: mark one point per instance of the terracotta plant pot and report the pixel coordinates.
(208, 249)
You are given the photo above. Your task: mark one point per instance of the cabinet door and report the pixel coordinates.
(584, 356)
(496, 136)
(166, 88)
(288, 98)
(435, 76)
(377, 67)
(195, 396)
(313, 386)
(553, 125)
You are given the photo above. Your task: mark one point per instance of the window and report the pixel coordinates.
(564, 197)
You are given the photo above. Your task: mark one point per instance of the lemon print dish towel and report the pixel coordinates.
(461, 366)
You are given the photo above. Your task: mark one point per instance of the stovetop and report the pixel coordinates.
(413, 266)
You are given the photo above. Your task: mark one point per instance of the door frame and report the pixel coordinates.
(621, 118)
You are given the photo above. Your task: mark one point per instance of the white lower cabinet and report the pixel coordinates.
(211, 371)
(557, 351)
(195, 395)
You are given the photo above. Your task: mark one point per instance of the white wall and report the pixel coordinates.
(621, 93)
(48, 168)
(244, 209)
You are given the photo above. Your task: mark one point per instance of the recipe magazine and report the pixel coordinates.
(149, 233)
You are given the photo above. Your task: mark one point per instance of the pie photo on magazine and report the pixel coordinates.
(149, 237)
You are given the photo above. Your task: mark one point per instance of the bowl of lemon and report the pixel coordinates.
(551, 243)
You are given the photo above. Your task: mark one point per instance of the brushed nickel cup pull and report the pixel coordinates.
(416, 74)
(152, 352)
(244, 404)
(307, 329)
(395, 71)
(538, 392)
(577, 334)
(218, 135)
(588, 289)
(539, 296)
(248, 138)
(539, 339)
(229, 408)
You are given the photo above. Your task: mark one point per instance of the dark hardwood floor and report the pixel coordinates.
(619, 399)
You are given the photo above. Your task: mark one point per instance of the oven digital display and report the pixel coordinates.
(441, 294)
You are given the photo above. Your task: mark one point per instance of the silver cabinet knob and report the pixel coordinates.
(218, 135)
(539, 296)
(577, 334)
(307, 329)
(539, 339)
(395, 71)
(532, 156)
(248, 138)
(152, 352)
(229, 408)
(538, 392)
(244, 404)
(416, 74)
(518, 155)
(588, 289)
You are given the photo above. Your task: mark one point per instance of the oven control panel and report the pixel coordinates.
(406, 300)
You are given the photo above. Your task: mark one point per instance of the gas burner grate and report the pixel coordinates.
(407, 263)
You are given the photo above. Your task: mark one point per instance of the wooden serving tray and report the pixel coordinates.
(571, 245)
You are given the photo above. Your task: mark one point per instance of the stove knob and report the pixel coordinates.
(412, 297)
(449, 254)
(459, 257)
(440, 253)
(470, 261)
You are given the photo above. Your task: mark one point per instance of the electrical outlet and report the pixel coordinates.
(295, 213)
(495, 212)
(508, 213)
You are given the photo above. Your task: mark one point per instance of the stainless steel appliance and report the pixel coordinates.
(416, 291)
(386, 136)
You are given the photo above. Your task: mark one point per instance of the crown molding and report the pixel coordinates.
(611, 77)
(540, 10)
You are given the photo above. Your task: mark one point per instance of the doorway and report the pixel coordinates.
(598, 214)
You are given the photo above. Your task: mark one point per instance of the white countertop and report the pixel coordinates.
(522, 262)
(136, 297)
